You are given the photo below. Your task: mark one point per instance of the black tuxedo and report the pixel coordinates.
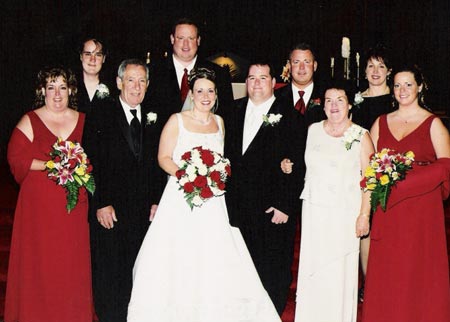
(128, 180)
(256, 184)
(164, 90)
(314, 107)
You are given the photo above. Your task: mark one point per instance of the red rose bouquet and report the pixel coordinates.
(70, 168)
(202, 175)
(385, 169)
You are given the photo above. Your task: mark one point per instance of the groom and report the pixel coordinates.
(258, 199)
(122, 144)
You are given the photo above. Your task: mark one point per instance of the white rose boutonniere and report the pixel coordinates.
(358, 99)
(151, 117)
(271, 119)
(102, 91)
(351, 135)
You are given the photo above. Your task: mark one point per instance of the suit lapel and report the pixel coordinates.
(123, 125)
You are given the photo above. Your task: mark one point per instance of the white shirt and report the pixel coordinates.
(253, 120)
(306, 97)
(126, 109)
(179, 68)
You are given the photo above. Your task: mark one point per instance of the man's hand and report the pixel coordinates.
(153, 212)
(279, 217)
(106, 216)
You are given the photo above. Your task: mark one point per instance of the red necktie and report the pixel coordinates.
(300, 105)
(184, 86)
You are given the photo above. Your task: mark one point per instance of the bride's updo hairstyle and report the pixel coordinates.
(201, 72)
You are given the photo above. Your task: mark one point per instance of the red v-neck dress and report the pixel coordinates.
(408, 273)
(49, 275)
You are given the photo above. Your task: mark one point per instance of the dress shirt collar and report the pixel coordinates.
(306, 97)
(127, 108)
(179, 68)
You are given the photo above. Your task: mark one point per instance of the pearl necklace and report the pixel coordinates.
(202, 122)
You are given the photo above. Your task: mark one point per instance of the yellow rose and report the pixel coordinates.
(371, 186)
(384, 180)
(85, 178)
(80, 171)
(50, 164)
(370, 172)
(410, 154)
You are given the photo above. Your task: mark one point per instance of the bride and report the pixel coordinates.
(192, 265)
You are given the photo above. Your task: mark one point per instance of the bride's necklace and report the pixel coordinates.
(336, 131)
(202, 122)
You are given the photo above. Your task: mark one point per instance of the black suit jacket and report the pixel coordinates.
(257, 181)
(164, 91)
(127, 180)
(85, 105)
(314, 108)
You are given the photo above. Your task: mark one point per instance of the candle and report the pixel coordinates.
(345, 47)
(357, 59)
(332, 62)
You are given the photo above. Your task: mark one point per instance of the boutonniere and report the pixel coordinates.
(102, 91)
(358, 99)
(151, 117)
(314, 102)
(351, 135)
(271, 119)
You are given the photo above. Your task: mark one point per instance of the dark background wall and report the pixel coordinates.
(36, 33)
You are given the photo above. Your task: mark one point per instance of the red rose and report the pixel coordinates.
(57, 159)
(186, 156)
(363, 182)
(89, 168)
(215, 176)
(180, 173)
(207, 157)
(378, 175)
(221, 186)
(72, 163)
(200, 181)
(206, 193)
(188, 187)
(228, 170)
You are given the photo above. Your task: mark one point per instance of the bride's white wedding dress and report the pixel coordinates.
(193, 266)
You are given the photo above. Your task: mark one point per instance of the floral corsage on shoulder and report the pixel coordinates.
(351, 135)
(358, 99)
(102, 91)
(271, 119)
(151, 118)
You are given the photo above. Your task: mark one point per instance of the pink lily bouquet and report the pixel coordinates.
(70, 168)
(202, 175)
(385, 169)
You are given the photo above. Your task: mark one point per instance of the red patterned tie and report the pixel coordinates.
(184, 86)
(300, 105)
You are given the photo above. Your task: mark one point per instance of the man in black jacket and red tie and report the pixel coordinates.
(168, 77)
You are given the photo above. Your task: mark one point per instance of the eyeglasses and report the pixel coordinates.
(88, 54)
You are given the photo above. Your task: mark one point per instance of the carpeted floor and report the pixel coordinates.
(8, 196)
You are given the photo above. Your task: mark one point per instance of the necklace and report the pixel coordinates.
(336, 131)
(202, 122)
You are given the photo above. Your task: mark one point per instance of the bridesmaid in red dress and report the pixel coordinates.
(408, 273)
(49, 277)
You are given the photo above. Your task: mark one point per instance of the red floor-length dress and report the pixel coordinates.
(408, 273)
(49, 276)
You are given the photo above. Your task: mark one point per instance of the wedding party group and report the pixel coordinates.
(148, 201)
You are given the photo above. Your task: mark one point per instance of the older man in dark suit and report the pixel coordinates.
(168, 79)
(259, 135)
(121, 140)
